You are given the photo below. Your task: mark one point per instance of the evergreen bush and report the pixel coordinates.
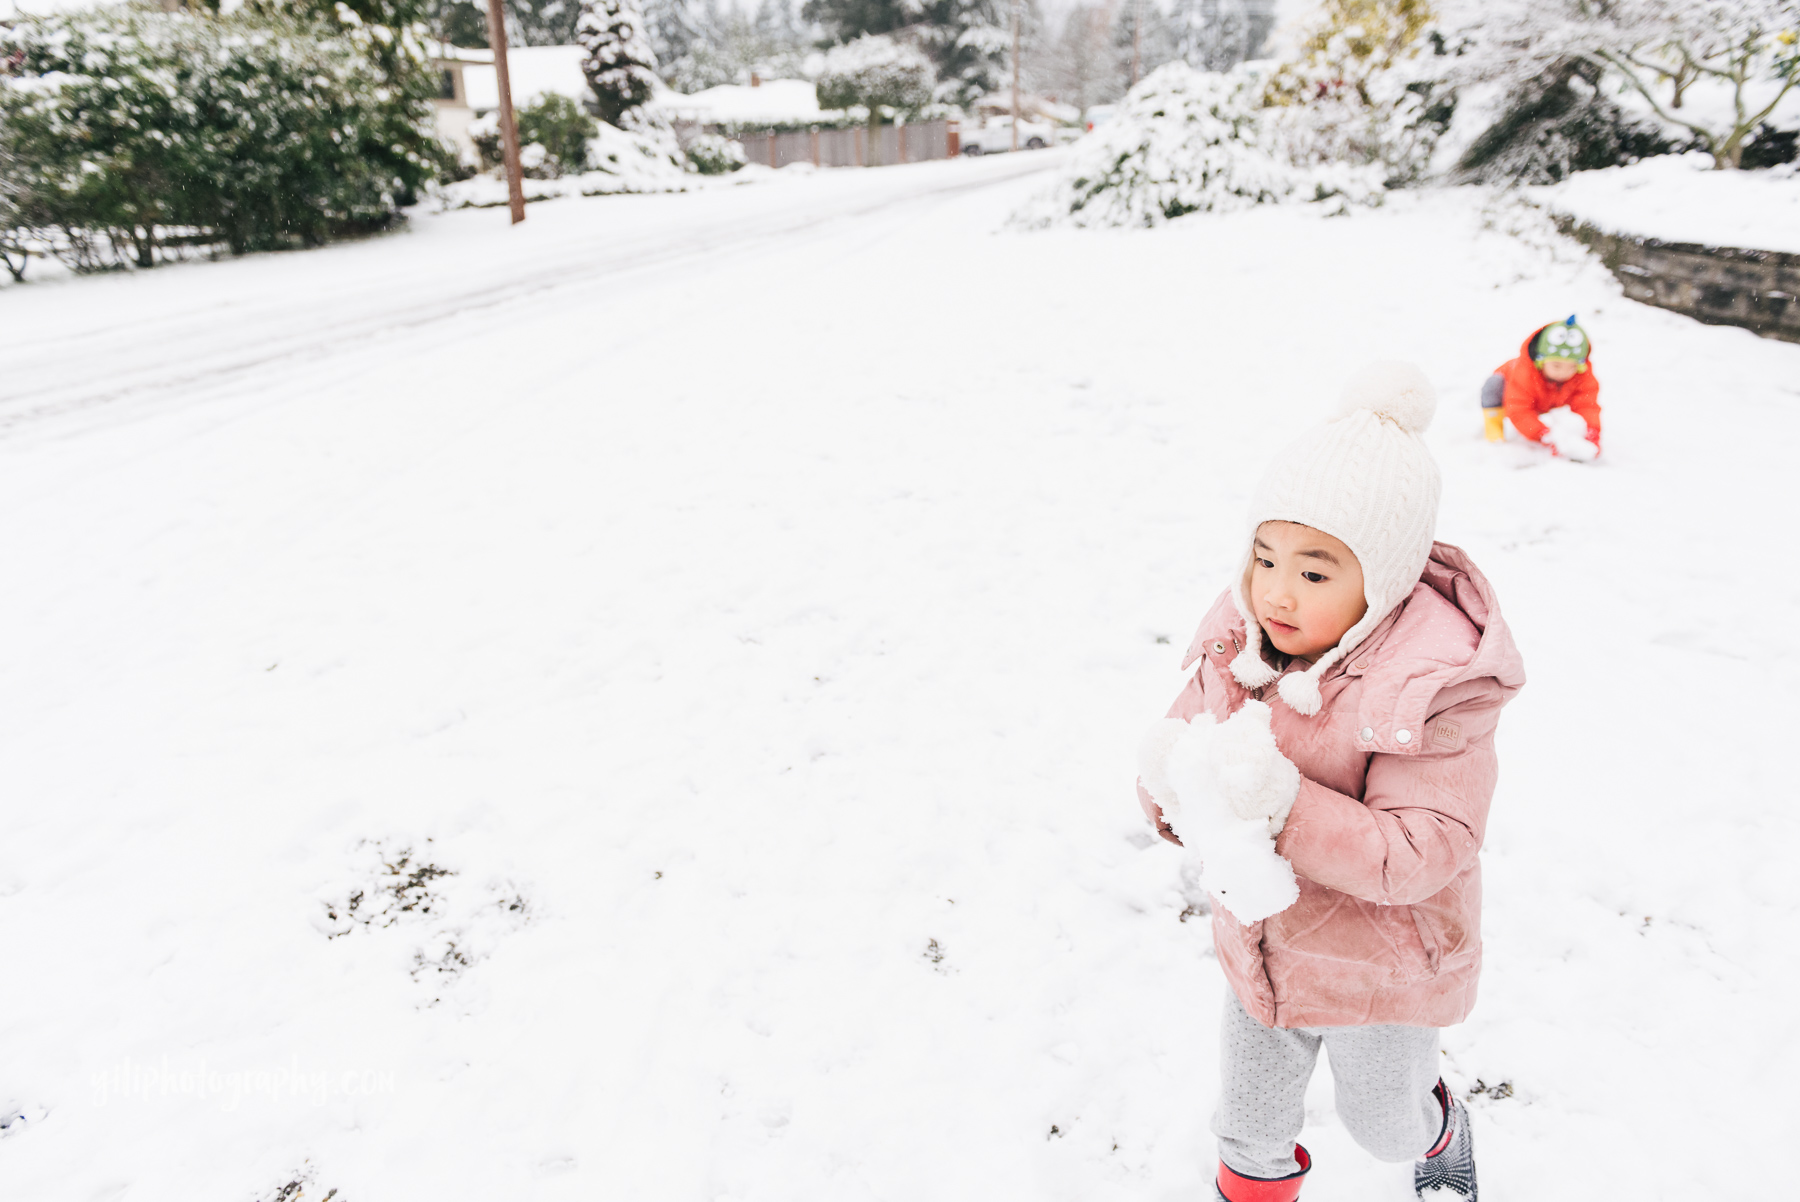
(711, 154)
(135, 130)
(551, 121)
(1556, 124)
(1185, 141)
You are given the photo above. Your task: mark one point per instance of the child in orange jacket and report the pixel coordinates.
(1552, 371)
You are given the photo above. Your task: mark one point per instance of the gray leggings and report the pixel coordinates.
(1384, 1077)
(1493, 391)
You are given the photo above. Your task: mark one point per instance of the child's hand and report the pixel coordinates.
(1154, 813)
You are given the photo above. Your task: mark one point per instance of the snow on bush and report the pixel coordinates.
(711, 154)
(1186, 141)
(1710, 70)
(131, 132)
(619, 64)
(553, 138)
(643, 157)
(1362, 90)
(875, 72)
(1226, 790)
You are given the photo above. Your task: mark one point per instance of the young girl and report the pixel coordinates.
(1385, 662)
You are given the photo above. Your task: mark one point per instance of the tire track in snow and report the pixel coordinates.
(190, 362)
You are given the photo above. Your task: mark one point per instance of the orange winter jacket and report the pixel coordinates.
(1528, 393)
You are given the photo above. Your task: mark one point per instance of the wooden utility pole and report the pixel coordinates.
(1015, 123)
(509, 129)
(1137, 37)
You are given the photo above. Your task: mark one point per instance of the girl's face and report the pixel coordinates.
(1560, 371)
(1306, 588)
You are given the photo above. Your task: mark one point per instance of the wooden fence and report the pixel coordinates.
(894, 144)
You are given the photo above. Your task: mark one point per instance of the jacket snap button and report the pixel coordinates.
(1218, 648)
(1362, 664)
(1368, 732)
(1403, 736)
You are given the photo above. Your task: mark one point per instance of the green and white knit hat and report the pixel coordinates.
(1561, 340)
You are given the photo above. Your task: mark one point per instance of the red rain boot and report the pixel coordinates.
(1235, 1187)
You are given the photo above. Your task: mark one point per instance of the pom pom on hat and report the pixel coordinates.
(1393, 390)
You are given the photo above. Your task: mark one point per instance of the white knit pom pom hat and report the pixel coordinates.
(1365, 478)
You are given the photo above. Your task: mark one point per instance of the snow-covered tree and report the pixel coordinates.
(260, 128)
(1362, 89)
(1186, 141)
(528, 22)
(1076, 63)
(13, 198)
(876, 73)
(1216, 35)
(1715, 69)
(1144, 39)
(1559, 122)
(618, 62)
(967, 40)
(708, 46)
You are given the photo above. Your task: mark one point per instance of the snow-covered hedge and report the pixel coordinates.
(554, 137)
(711, 154)
(645, 157)
(876, 72)
(1186, 141)
(132, 130)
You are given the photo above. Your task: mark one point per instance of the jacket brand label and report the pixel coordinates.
(1447, 733)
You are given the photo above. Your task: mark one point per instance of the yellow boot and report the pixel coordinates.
(1496, 424)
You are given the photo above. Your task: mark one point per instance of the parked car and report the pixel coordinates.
(1100, 114)
(997, 136)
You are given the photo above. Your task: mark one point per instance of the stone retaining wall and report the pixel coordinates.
(1756, 289)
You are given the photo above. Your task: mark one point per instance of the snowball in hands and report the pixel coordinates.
(1566, 430)
(1226, 790)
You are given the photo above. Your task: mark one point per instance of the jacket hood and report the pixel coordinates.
(1446, 632)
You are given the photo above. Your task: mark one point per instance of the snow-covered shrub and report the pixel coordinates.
(1362, 90)
(1185, 141)
(1709, 70)
(711, 154)
(552, 123)
(132, 128)
(1553, 125)
(619, 65)
(642, 157)
(16, 238)
(875, 72)
(1770, 147)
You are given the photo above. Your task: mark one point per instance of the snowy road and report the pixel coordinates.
(178, 331)
(754, 599)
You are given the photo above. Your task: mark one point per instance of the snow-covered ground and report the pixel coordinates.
(766, 658)
(1681, 198)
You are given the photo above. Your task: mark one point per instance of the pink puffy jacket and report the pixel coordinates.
(1397, 768)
